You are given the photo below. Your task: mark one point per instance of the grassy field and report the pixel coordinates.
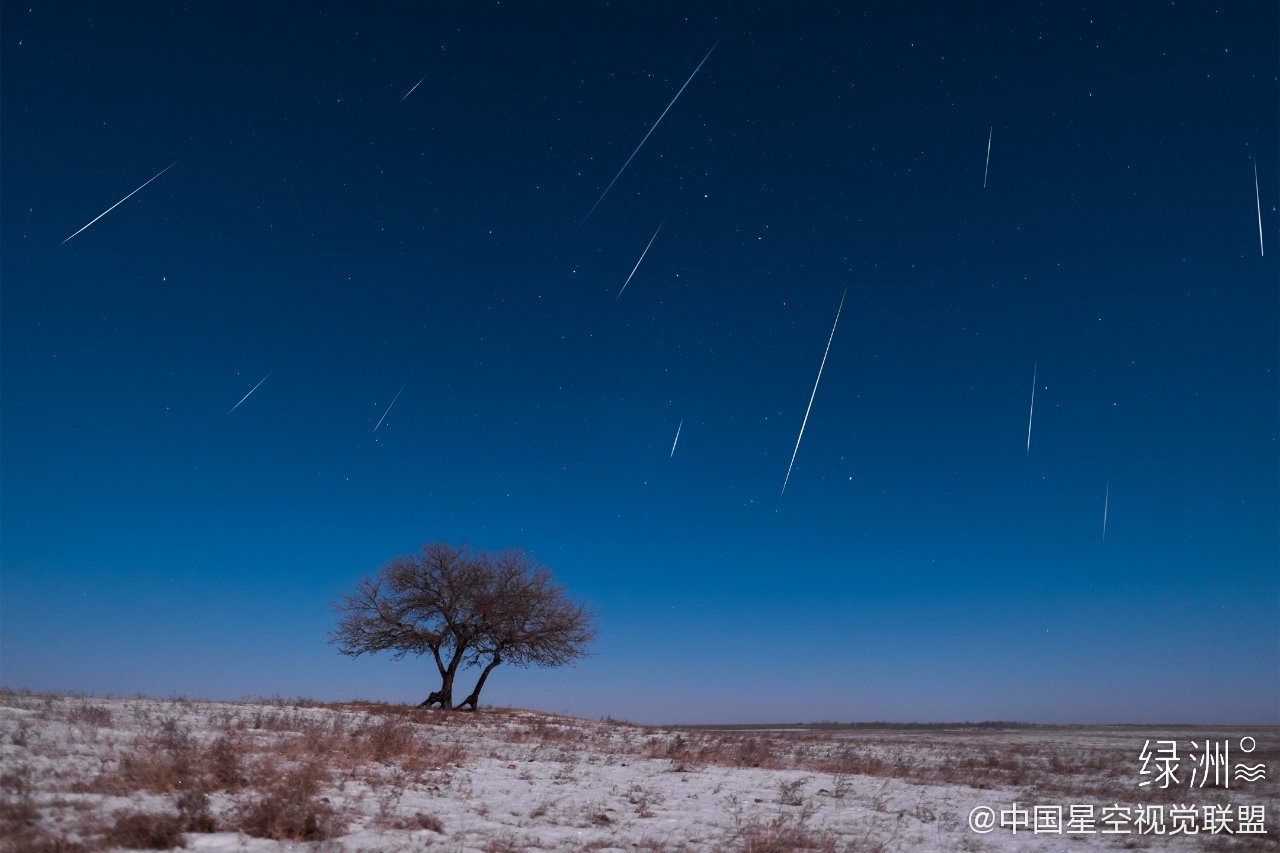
(82, 773)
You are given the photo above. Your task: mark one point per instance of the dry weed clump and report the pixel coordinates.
(193, 812)
(17, 807)
(420, 820)
(504, 844)
(145, 831)
(973, 761)
(781, 835)
(791, 793)
(89, 715)
(386, 740)
(224, 765)
(542, 730)
(853, 761)
(733, 750)
(38, 840)
(289, 808)
(174, 762)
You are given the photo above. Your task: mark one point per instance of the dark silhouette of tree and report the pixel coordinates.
(465, 608)
(528, 620)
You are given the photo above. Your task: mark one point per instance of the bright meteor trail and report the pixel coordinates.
(251, 390)
(393, 402)
(1032, 413)
(814, 394)
(121, 201)
(411, 88)
(987, 168)
(1257, 197)
(1106, 504)
(637, 266)
(646, 137)
(677, 441)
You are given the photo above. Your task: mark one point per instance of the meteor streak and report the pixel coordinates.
(1032, 413)
(677, 441)
(987, 169)
(813, 394)
(1257, 197)
(637, 266)
(393, 402)
(411, 88)
(251, 390)
(652, 128)
(121, 201)
(1106, 503)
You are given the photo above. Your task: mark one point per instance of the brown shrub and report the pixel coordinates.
(439, 755)
(223, 764)
(783, 836)
(290, 809)
(146, 831)
(193, 812)
(388, 739)
(852, 760)
(420, 820)
(148, 769)
(36, 839)
(173, 762)
(754, 752)
(89, 715)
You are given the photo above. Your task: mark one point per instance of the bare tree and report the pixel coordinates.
(528, 620)
(464, 608)
(417, 604)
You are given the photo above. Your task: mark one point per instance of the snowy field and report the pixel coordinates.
(80, 773)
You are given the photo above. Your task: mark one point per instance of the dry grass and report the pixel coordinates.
(910, 756)
(89, 715)
(173, 761)
(275, 760)
(289, 808)
(783, 834)
(145, 831)
(276, 770)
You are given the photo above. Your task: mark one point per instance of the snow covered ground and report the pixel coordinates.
(79, 773)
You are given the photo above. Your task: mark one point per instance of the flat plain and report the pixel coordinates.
(87, 774)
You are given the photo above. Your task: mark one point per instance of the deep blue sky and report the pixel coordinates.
(921, 565)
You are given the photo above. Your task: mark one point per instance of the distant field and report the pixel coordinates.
(79, 774)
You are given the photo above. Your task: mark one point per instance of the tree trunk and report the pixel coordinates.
(444, 696)
(474, 699)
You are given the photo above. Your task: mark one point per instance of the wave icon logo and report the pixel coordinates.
(1251, 773)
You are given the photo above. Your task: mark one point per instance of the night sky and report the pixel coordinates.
(323, 230)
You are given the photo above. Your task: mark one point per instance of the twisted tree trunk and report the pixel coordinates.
(474, 699)
(444, 696)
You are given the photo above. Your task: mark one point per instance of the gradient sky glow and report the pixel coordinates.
(324, 229)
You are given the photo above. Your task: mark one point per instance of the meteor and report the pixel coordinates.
(1257, 197)
(646, 136)
(121, 201)
(251, 390)
(411, 88)
(1032, 413)
(1106, 503)
(677, 441)
(813, 394)
(393, 402)
(637, 266)
(987, 169)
